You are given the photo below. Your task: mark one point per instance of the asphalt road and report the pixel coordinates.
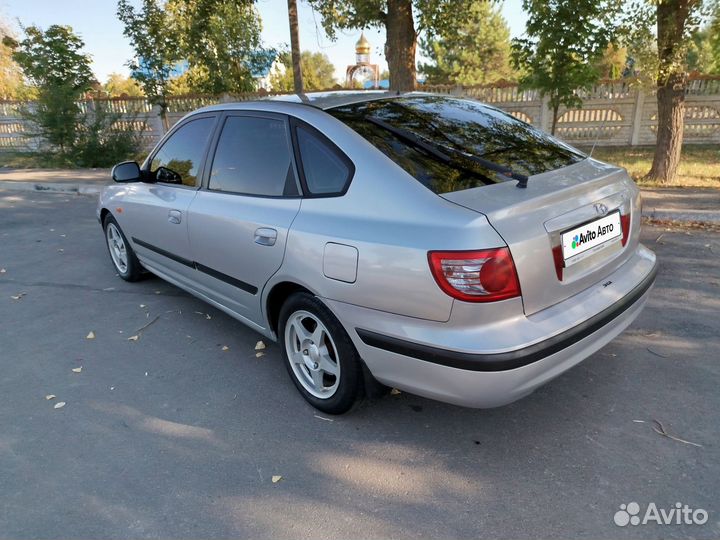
(172, 436)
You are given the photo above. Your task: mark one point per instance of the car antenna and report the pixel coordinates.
(600, 130)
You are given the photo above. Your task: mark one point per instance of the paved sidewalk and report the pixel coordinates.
(83, 181)
(687, 205)
(667, 204)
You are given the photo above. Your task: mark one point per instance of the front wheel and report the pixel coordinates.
(319, 355)
(121, 252)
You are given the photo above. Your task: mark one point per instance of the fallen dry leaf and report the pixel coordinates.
(77, 369)
(50, 396)
(225, 348)
(59, 405)
(259, 346)
(395, 392)
(91, 335)
(276, 479)
(133, 338)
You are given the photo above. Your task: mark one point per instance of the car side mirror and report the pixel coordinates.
(127, 171)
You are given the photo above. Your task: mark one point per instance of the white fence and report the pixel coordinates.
(615, 113)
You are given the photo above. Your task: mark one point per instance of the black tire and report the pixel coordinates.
(133, 269)
(349, 388)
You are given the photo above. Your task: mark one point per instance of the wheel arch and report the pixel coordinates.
(104, 212)
(277, 296)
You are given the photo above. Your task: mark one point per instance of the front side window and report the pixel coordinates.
(178, 160)
(326, 170)
(254, 157)
(451, 144)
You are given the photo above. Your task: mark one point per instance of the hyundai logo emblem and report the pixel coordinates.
(601, 209)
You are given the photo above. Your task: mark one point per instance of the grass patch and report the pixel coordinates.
(33, 160)
(699, 165)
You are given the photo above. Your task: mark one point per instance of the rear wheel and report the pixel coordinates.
(121, 253)
(319, 355)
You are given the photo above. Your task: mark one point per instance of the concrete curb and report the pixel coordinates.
(53, 187)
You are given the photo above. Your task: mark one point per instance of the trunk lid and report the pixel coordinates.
(532, 220)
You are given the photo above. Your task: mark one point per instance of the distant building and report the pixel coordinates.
(362, 66)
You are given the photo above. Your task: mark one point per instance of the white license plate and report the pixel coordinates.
(581, 241)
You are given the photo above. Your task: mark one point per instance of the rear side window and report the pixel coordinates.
(327, 171)
(253, 157)
(179, 158)
(448, 144)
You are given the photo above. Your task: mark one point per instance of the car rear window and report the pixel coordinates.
(439, 139)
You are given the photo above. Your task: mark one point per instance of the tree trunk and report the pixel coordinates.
(671, 123)
(295, 46)
(555, 110)
(672, 16)
(400, 45)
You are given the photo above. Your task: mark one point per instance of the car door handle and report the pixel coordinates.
(175, 216)
(265, 237)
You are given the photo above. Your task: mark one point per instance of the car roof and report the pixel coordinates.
(319, 100)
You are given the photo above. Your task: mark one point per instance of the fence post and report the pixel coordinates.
(544, 120)
(156, 124)
(637, 117)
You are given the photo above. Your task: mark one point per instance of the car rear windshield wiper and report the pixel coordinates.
(411, 138)
(442, 156)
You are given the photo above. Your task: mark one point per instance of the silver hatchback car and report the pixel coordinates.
(433, 244)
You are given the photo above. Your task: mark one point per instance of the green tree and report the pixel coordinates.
(564, 41)
(118, 85)
(675, 22)
(704, 47)
(399, 18)
(613, 62)
(222, 43)
(476, 50)
(11, 79)
(157, 49)
(53, 61)
(317, 71)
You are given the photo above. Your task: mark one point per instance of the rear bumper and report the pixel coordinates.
(473, 377)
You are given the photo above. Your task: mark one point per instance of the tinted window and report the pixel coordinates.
(178, 160)
(253, 157)
(435, 138)
(326, 171)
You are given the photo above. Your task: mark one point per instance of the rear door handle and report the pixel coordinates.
(265, 236)
(175, 216)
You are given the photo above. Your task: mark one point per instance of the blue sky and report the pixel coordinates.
(96, 23)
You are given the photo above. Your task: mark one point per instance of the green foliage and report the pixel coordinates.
(564, 41)
(476, 50)
(613, 62)
(104, 139)
(11, 79)
(53, 58)
(54, 62)
(156, 47)
(118, 85)
(703, 53)
(222, 43)
(318, 72)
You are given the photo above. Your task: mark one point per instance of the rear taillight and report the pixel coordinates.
(625, 225)
(475, 276)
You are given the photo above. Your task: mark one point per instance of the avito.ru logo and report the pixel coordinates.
(679, 515)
